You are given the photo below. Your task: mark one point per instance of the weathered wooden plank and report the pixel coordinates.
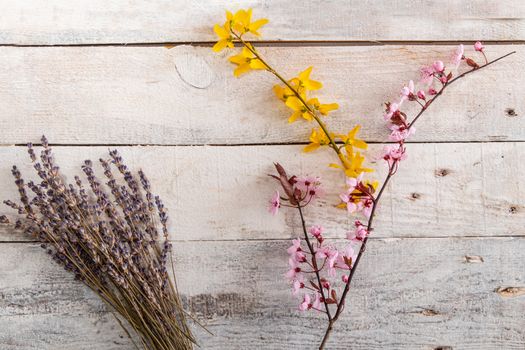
(408, 294)
(97, 22)
(188, 95)
(216, 193)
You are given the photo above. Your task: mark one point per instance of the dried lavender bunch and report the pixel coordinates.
(112, 237)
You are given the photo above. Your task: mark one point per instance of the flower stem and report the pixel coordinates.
(340, 305)
(314, 263)
(327, 334)
(453, 80)
(310, 110)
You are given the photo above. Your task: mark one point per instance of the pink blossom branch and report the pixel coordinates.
(314, 263)
(423, 109)
(391, 172)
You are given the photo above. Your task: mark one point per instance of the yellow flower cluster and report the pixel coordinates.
(352, 161)
(233, 29)
(293, 92)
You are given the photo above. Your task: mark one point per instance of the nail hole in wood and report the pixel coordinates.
(509, 292)
(415, 195)
(474, 259)
(429, 312)
(510, 112)
(442, 172)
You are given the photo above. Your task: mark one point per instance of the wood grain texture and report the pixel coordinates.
(217, 193)
(98, 22)
(444, 268)
(408, 294)
(188, 95)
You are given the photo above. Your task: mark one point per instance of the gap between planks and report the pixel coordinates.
(381, 239)
(243, 144)
(291, 43)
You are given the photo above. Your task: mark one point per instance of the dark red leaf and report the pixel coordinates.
(287, 187)
(316, 287)
(348, 261)
(472, 63)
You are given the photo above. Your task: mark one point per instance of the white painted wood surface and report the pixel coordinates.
(221, 193)
(97, 21)
(409, 294)
(445, 268)
(188, 95)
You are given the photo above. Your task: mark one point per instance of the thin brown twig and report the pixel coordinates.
(314, 263)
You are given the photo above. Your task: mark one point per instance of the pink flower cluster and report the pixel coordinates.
(326, 262)
(393, 154)
(433, 80)
(299, 190)
(359, 196)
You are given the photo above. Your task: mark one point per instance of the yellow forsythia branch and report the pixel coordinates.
(294, 93)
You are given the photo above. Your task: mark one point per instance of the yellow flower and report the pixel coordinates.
(353, 165)
(323, 108)
(318, 138)
(304, 82)
(225, 37)
(283, 92)
(245, 61)
(241, 23)
(351, 141)
(300, 110)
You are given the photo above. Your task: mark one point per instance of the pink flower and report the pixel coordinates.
(325, 284)
(359, 233)
(407, 93)
(318, 302)
(368, 205)
(344, 278)
(297, 285)
(421, 94)
(478, 46)
(305, 182)
(315, 192)
(457, 56)
(352, 182)
(392, 108)
(400, 132)
(351, 206)
(427, 75)
(438, 66)
(354, 203)
(432, 91)
(323, 252)
(306, 304)
(296, 252)
(294, 271)
(347, 255)
(330, 254)
(275, 203)
(332, 258)
(317, 232)
(309, 186)
(394, 154)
